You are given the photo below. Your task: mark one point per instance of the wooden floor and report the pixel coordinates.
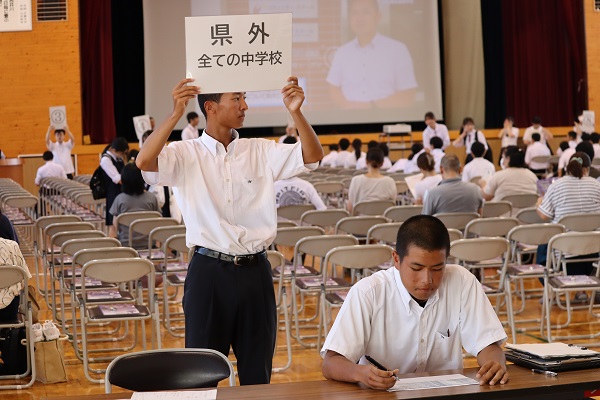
(306, 363)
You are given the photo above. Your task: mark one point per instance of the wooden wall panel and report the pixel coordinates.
(592, 38)
(39, 69)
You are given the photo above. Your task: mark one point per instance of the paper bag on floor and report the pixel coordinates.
(50, 362)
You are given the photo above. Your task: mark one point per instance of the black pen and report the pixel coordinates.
(541, 371)
(379, 366)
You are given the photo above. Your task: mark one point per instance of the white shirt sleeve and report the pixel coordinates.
(286, 161)
(110, 169)
(315, 198)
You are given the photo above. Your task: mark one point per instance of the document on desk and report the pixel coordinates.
(187, 395)
(432, 382)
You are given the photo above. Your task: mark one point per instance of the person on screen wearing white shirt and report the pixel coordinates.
(372, 70)
(536, 127)
(426, 164)
(61, 148)
(434, 129)
(50, 169)
(415, 317)
(479, 166)
(191, 131)
(225, 189)
(536, 149)
(468, 136)
(329, 159)
(344, 155)
(437, 152)
(290, 131)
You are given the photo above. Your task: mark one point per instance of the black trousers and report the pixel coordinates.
(228, 305)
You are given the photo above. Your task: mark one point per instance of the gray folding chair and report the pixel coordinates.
(277, 261)
(402, 213)
(458, 220)
(529, 216)
(372, 207)
(585, 222)
(496, 209)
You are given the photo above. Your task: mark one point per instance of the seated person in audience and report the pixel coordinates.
(294, 191)
(564, 152)
(574, 140)
(588, 148)
(361, 163)
(344, 154)
(536, 149)
(468, 136)
(387, 163)
(10, 254)
(329, 159)
(356, 154)
(595, 139)
(536, 127)
(452, 194)
(290, 131)
(134, 197)
(50, 169)
(575, 193)
(415, 317)
(7, 230)
(479, 166)
(437, 152)
(516, 179)
(410, 166)
(430, 179)
(372, 185)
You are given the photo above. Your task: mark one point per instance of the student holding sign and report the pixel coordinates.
(224, 185)
(62, 148)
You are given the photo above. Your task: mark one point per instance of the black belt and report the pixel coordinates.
(243, 260)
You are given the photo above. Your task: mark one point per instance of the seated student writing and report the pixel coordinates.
(415, 317)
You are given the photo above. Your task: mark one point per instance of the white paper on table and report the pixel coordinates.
(58, 117)
(432, 382)
(189, 395)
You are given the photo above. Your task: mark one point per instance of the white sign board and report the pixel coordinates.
(58, 117)
(239, 53)
(141, 124)
(16, 15)
(588, 121)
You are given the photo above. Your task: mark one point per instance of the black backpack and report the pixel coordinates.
(14, 354)
(98, 181)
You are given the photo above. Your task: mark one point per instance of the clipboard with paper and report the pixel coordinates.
(554, 357)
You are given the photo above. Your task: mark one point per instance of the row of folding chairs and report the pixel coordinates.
(21, 208)
(64, 196)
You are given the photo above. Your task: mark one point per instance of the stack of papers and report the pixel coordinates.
(552, 350)
(432, 382)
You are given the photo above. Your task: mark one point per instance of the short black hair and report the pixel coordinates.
(587, 148)
(60, 130)
(436, 142)
(516, 159)
(203, 98)
(290, 140)
(536, 137)
(47, 156)
(429, 115)
(510, 150)
(595, 137)
(477, 149)
(372, 144)
(120, 144)
(145, 135)
(423, 231)
(132, 182)
(536, 120)
(344, 144)
(468, 120)
(334, 147)
(586, 137)
(384, 147)
(572, 134)
(191, 115)
(564, 145)
(510, 118)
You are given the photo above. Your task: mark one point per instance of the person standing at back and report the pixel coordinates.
(225, 188)
(191, 130)
(62, 148)
(112, 163)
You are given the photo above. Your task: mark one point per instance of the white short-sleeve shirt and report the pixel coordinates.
(478, 166)
(372, 72)
(379, 318)
(227, 197)
(511, 140)
(62, 154)
(295, 191)
(189, 132)
(440, 131)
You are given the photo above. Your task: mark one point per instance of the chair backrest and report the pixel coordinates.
(360, 225)
(162, 233)
(276, 259)
(118, 270)
(286, 223)
(454, 234)
(524, 200)
(496, 208)
(177, 243)
(479, 249)
(490, 227)
(329, 187)
(11, 275)
(402, 213)
(458, 220)
(323, 218)
(169, 369)
(72, 246)
(127, 218)
(359, 256)
(535, 234)
(61, 227)
(294, 212)
(60, 238)
(146, 225)
(24, 201)
(401, 186)
(529, 216)
(318, 246)
(290, 236)
(386, 233)
(43, 222)
(575, 243)
(101, 253)
(372, 207)
(581, 222)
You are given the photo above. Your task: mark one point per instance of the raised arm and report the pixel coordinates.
(48, 141)
(459, 142)
(493, 365)
(293, 97)
(70, 134)
(147, 159)
(339, 368)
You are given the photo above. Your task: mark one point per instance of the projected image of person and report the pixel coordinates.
(372, 70)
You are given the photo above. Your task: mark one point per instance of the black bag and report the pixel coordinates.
(14, 354)
(97, 184)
